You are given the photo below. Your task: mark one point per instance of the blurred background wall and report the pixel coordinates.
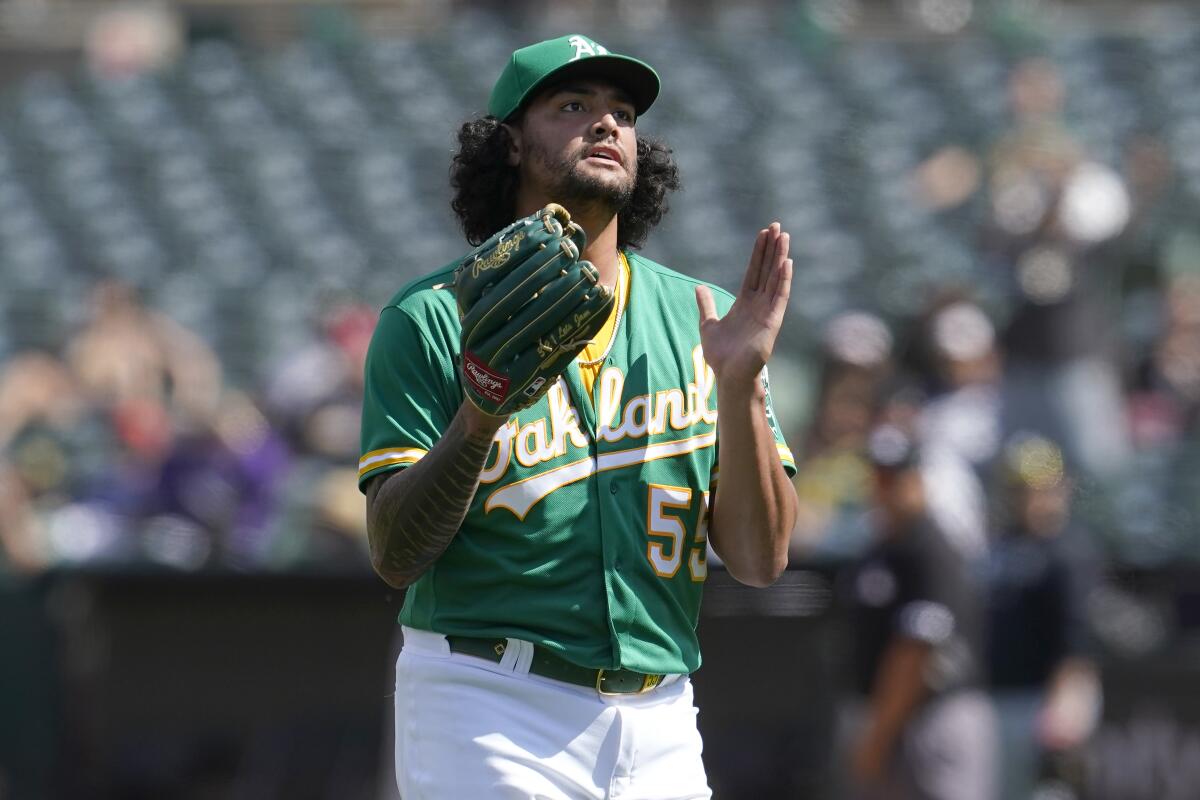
(204, 205)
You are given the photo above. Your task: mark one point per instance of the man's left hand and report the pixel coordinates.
(738, 345)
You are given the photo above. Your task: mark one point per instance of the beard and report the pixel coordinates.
(579, 191)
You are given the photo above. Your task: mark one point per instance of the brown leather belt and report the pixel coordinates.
(550, 665)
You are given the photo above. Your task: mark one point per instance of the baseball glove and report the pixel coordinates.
(528, 305)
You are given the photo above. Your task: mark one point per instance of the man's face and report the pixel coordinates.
(576, 145)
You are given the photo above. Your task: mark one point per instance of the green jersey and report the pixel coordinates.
(588, 532)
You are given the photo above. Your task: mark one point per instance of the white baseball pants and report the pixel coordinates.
(470, 728)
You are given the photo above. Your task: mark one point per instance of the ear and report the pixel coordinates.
(514, 144)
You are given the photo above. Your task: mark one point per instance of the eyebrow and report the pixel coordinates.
(588, 90)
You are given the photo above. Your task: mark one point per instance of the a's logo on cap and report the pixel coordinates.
(586, 47)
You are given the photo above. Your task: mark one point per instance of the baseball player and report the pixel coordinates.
(928, 732)
(540, 453)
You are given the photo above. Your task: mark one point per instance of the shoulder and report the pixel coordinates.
(429, 299)
(937, 558)
(422, 310)
(672, 283)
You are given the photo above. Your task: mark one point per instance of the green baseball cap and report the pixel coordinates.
(573, 55)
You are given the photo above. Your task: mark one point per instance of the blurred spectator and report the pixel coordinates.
(947, 179)
(36, 388)
(859, 384)
(963, 415)
(1046, 686)
(316, 390)
(1038, 154)
(954, 497)
(142, 365)
(833, 479)
(134, 450)
(1154, 213)
(960, 426)
(1049, 208)
(316, 396)
(1164, 404)
(129, 39)
(929, 731)
(48, 438)
(152, 385)
(22, 548)
(214, 494)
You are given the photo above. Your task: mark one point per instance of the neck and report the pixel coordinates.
(599, 223)
(601, 249)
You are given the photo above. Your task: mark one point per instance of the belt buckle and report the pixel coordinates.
(648, 682)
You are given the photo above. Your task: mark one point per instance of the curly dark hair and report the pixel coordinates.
(485, 184)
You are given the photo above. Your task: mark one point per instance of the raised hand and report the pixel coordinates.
(738, 345)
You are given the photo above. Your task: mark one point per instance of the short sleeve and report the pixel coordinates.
(785, 453)
(410, 395)
(927, 592)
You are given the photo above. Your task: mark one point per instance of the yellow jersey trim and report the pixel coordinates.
(389, 457)
(599, 346)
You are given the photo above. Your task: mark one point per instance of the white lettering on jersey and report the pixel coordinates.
(523, 495)
(503, 444)
(532, 446)
(641, 416)
(612, 385)
(564, 421)
(669, 408)
(636, 418)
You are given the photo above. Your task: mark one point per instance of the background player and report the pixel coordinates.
(555, 558)
(929, 732)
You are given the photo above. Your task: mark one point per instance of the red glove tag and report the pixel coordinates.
(486, 383)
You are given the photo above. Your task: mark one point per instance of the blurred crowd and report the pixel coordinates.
(130, 442)
(1016, 442)
(131, 447)
(1099, 352)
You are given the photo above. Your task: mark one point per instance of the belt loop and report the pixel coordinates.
(421, 641)
(524, 655)
(509, 650)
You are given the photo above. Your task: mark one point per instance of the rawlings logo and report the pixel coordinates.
(485, 382)
(499, 256)
(482, 379)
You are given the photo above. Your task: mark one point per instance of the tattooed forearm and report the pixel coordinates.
(413, 515)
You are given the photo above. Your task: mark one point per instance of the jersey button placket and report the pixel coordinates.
(612, 559)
